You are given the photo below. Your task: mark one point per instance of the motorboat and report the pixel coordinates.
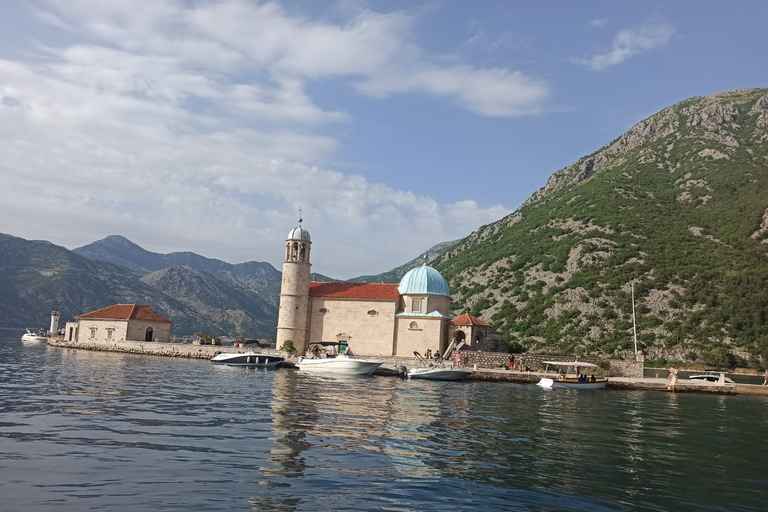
(710, 376)
(248, 359)
(439, 372)
(436, 371)
(563, 380)
(35, 336)
(346, 363)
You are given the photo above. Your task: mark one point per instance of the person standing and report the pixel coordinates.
(765, 378)
(458, 360)
(511, 362)
(672, 375)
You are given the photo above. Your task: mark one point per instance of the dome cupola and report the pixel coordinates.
(424, 280)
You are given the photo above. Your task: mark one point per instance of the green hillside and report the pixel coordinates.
(678, 206)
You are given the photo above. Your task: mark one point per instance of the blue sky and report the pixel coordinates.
(202, 126)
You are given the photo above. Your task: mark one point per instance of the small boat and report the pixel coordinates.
(562, 380)
(35, 336)
(436, 371)
(248, 359)
(346, 363)
(710, 376)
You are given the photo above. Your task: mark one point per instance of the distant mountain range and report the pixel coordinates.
(197, 293)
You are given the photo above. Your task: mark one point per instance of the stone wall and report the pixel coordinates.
(156, 349)
(534, 363)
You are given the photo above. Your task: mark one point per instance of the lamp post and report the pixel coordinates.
(634, 325)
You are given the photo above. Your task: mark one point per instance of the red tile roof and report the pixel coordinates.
(467, 319)
(354, 290)
(125, 312)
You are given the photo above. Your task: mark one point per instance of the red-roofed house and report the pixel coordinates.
(120, 322)
(468, 329)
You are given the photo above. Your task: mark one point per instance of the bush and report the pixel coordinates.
(288, 346)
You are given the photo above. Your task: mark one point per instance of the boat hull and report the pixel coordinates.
(339, 366)
(547, 382)
(34, 338)
(450, 374)
(247, 360)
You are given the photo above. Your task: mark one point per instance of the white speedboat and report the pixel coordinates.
(710, 376)
(249, 359)
(35, 336)
(343, 364)
(439, 372)
(562, 380)
(434, 371)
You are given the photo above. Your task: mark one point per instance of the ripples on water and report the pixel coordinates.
(98, 431)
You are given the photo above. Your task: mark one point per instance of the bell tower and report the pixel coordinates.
(294, 290)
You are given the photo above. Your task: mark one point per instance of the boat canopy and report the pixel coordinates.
(580, 364)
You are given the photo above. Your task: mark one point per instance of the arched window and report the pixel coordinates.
(295, 252)
(148, 335)
(413, 326)
(460, 337)
(302, 252)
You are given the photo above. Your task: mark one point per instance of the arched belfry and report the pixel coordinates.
(294, 291)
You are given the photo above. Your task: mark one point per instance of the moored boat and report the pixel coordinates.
(346, 363)
(436, 371)
(711, 376)
(248, 359)
(563, 380)
(439, 372)
(35, 336)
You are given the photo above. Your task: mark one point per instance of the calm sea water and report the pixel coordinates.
(98, 431)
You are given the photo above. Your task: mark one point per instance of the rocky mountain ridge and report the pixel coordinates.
(677, 206)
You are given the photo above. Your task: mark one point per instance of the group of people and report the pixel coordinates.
(517, 363)
(584, 378)
(460, 359)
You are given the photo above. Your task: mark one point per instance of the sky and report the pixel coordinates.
(204, 126)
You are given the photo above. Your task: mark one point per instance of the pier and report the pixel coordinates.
(206, 352)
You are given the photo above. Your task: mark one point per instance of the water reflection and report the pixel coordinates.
(118, 432)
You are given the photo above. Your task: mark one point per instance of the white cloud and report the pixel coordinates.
(481, 40)
(629, 42)
(598, 22)
(192, 129)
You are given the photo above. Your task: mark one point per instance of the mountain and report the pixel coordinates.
(253, 275)
(36, 277)
(678, 206)
(396, 274)
(229, 309)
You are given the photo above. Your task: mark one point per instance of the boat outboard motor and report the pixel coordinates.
(402, 372)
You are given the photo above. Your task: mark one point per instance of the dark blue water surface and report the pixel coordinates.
(101, 431)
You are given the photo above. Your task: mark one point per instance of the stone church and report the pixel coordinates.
(373, 319)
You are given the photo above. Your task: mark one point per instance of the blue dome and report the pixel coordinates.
(298, 233)
(424, 280)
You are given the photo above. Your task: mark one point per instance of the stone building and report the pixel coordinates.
(374, 319)
(120, 322)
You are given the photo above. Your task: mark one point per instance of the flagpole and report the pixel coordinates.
(634, 325)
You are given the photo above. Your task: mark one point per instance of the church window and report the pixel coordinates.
(373, 312)
(302, 252)
(323, 310)
(413, 326)
(109, 333)
(416, 306)
(93, 332)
